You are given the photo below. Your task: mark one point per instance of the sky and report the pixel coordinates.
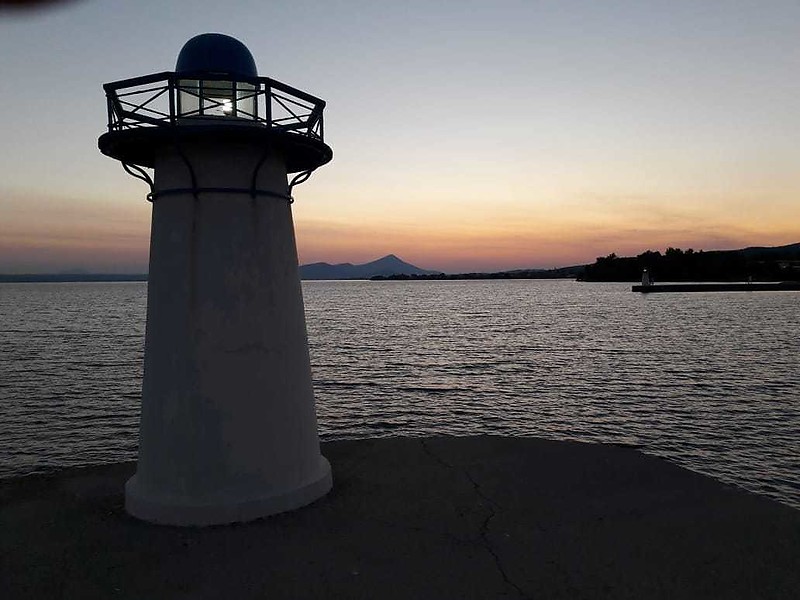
(467, 135)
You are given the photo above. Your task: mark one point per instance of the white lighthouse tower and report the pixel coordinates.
(228, 427)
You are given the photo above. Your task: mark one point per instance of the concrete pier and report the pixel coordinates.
(480, 517)
(785, 286)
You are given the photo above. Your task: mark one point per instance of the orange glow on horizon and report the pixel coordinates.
(552, 245)
(51, 234)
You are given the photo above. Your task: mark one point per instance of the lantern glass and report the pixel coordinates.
(218, 98)
(188, 98)
(245, 100)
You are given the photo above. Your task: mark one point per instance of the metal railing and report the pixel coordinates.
(168, 99)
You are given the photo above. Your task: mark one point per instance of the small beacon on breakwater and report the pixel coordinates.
(228, 427)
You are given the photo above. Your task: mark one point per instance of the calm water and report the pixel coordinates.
(707, 380)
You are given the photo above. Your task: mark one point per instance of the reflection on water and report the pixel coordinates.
(707, 380)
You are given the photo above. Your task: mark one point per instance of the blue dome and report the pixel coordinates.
(216, 53)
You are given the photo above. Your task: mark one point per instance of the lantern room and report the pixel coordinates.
(216, 91)
(229, 83)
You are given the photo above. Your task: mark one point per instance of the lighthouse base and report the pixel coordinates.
(193, 512)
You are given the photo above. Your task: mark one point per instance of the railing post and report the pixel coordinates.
(268, 103)
(256, 91)
(171, 87)
(109, 111)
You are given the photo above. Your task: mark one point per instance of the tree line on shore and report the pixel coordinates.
(749, 264)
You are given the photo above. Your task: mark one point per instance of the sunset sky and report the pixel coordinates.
(466, 135)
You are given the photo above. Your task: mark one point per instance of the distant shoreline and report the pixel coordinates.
(111, 278)
(72, 277)
(473, 276)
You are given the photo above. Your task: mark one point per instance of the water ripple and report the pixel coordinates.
(706, 380)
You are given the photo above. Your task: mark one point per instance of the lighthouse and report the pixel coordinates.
(228, 428)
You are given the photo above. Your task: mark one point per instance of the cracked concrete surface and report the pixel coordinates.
(490, 505)
(479, 517)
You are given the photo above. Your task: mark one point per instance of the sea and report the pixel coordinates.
(710, 381)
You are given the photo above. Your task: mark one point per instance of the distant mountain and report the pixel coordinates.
(386, 266)
(788, 252)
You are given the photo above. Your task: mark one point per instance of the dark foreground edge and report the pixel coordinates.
(477, 517)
